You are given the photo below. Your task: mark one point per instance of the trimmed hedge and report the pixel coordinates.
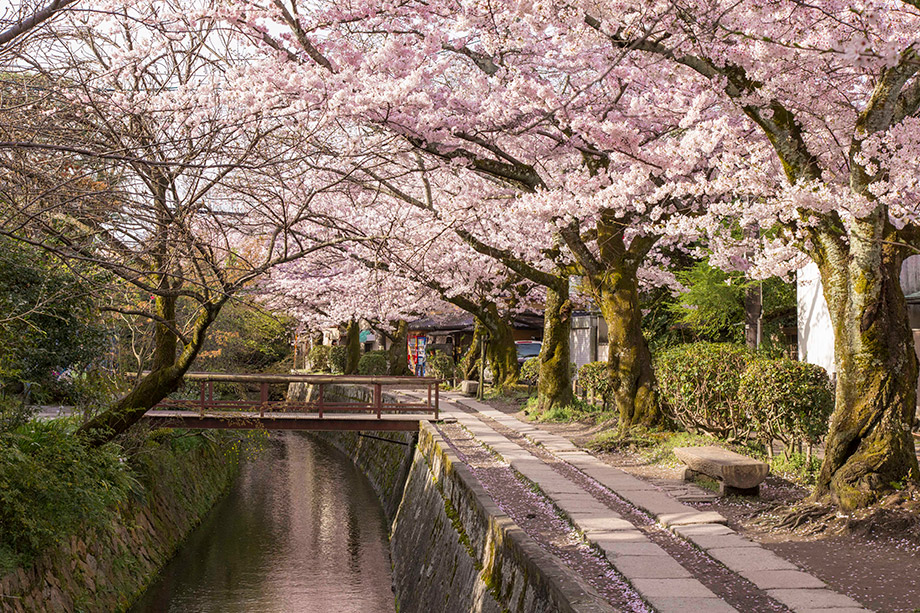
(318, 358)
(373, 363)
(698, 383)
(530, 370)
(787, 400)
(440, 365)
(594, 380)
(338, 355)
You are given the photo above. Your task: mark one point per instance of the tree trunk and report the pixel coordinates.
(500, 349)
(398, 352)
(469, 364)
(629, 362)
(153, 387)
(869, 447)
(352, 347)
(554, 387)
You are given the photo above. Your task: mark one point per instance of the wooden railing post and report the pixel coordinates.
(201, 406)
(263, 398)
(428, 404)
(319, 401)
(378, 398)
(437, 390)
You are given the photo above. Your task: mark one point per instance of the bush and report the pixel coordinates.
(338, 355)
(530, 370)
(594, 380)
(441, 366)
(698, 383)
(51, 485)
(318, 358)
(787, 400)
(373, 363)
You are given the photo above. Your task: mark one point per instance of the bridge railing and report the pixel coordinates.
(319, 403)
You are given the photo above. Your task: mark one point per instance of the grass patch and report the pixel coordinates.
(579, 411)
(796, 468)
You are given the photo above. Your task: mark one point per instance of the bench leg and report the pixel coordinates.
(727, 490)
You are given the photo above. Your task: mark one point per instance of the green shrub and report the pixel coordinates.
(787, 400)
(530, 370)
(338, 355)
(698, 383)
(51, 485)
(318, 358)
(441, 366)
(373, 363)
(594, 380)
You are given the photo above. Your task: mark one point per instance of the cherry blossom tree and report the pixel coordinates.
(833, 91)
(163, 176)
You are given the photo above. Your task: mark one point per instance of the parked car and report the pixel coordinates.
(527, 349)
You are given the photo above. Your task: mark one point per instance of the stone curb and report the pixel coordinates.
(779, 578)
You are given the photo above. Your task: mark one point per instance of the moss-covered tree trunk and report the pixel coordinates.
(500, 348)
(554, 386)
(352, 347)
(869, 448)
(161, 381)
(629, 361)
(470, 361)
(398, 353)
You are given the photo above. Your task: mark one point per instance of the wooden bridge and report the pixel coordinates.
(380, 410)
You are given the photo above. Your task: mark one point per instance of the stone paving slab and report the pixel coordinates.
(670, 604)
(661, 580)
(799, 599)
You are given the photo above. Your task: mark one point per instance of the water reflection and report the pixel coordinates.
(301, 531)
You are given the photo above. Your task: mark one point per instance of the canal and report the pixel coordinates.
(301, 531)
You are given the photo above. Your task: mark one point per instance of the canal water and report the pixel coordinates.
(301, 531)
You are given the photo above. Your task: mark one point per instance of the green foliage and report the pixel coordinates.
(47, 320)
(797, 467)
(787, 400)
(530, 370)
(14, 412)
(246, 338)
(713, 304)
(594, 379)
(699, 383)
(51, 485)
(338, 355)
(441, 365)
(373, 363)
(652, 446)
(318, 358)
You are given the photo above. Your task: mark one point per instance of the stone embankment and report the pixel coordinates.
(499, 515)
(452, 548)
(107, 569)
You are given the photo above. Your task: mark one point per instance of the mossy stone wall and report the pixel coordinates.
(107, 569)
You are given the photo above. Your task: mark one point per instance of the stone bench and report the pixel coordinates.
(737, 474)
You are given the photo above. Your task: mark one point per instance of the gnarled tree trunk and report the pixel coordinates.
(869, 447)
(352, 347)
(398, 353)
(156, 385)
(629, 361)
(500, 349)
(554, 387)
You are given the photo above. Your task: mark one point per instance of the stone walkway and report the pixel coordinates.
(639, 525)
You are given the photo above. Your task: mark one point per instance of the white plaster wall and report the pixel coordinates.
(816, 335)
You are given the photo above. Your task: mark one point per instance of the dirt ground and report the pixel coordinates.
(872, 556)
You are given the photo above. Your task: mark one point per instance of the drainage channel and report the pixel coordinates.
(538, 517)
(734, 589)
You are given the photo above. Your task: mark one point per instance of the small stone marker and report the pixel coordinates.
(469, 388)
(737, 474)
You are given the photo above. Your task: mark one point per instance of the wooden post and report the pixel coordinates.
(437, 390)
(428, 404)
(263, 397)
(201, 406)
(378, 398)
(319, 400)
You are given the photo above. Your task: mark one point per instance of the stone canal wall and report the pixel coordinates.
(107, 569)
(451, 547)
